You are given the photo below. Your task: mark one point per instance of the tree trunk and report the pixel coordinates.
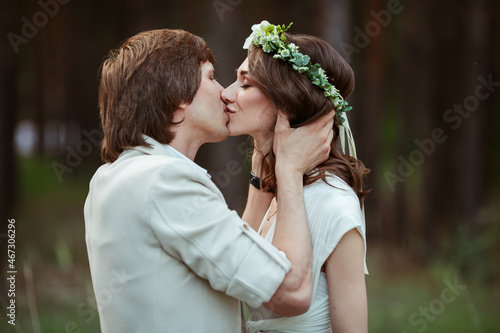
(366, 118)
(416, 114)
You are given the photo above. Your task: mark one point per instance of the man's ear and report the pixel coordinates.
(180, 113)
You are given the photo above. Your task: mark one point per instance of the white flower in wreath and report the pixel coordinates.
(293, 48)
(284, 53)
(257, 30)
(267, 48)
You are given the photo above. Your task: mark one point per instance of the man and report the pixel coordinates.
(166, 254)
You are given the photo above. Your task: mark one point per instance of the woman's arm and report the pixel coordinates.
(293, 148)
(258, 201)
(346, 285)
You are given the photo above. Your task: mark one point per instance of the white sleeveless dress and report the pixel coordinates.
(331, 213)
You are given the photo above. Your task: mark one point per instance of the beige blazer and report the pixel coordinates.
(166, 254)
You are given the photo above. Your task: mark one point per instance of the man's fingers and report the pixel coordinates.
(327, 147)
(328, 117)
(282, 120)
(324, 121)
(330, 138)
(327, 127)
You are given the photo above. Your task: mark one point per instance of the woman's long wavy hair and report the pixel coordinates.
(296, 96)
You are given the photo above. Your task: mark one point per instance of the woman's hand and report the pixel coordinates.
(305, 147)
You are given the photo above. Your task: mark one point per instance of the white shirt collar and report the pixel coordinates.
(175, 153)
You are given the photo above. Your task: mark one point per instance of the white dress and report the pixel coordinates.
(331, 213)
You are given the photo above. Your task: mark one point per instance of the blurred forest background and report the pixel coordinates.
(426, 121)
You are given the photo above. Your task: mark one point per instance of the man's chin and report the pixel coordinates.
(222, 137)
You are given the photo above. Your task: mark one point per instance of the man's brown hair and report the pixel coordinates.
(143, 82)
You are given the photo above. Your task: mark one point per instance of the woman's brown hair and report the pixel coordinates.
(302, 102)
(143, 82)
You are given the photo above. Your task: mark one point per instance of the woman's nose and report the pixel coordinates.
(228, 95)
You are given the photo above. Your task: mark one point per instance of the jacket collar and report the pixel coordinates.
(155, 149)
(159, 149)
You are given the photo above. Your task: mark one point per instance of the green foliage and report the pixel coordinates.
(419, 299)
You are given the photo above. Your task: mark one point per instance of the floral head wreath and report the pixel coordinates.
(271, 39)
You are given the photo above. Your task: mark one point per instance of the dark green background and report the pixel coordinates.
(423, 120)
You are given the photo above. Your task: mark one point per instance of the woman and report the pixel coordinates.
(282, 73)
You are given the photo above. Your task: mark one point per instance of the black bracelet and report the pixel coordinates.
(254, 180)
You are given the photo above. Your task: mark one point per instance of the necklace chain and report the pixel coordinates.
(269, 216)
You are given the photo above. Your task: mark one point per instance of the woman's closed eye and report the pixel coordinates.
(246, 84)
